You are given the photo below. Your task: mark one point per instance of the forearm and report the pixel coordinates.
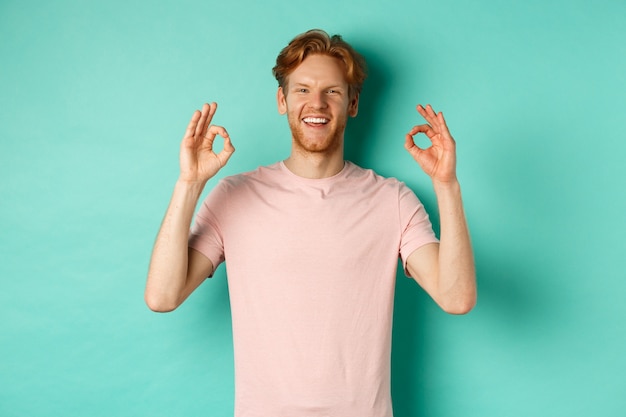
(167, 274)
(456, 278)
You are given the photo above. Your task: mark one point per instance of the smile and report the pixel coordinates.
(315, 120)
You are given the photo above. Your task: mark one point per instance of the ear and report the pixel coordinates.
(281, 100)
(353, 107)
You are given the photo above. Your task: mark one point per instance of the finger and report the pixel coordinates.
(212, 110)
(442, 121)
(425, 111)
(214, 130)
(203, 114)
(421, 110)
(426, 129)
(411, 147)
(226, 152)
(191, 127)
(428, 114)
(431, 112)
(205, 119)
(436, 120)
(211, 133)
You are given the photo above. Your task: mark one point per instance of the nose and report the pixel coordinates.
(318, 100)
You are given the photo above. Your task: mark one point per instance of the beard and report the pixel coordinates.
(316, 143)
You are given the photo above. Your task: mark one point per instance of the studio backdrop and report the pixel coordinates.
(95, 97)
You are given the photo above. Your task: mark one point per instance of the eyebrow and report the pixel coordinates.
(301, 84)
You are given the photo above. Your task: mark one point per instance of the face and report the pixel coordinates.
(317, 104)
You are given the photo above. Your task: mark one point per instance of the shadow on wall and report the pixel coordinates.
(513, 308)
(358, 138)
(507, 309)
(503, 293)
(410, 398)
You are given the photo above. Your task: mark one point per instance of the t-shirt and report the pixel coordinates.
(311, 267)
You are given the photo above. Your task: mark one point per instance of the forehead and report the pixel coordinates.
(319, 69)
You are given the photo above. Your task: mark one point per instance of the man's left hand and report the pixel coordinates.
(439, 159)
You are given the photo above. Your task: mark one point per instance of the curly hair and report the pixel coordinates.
(317, 41)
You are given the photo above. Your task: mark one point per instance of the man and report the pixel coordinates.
(311, 244)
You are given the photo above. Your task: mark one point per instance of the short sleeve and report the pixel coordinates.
(205, 235)
(415, 223)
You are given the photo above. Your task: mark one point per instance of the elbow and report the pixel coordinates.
(461, 298)
(159, 304)
(459, 309)
(461, 305)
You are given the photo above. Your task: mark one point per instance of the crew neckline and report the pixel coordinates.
(344, 170)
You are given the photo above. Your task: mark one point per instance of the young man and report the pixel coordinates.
(311, 244)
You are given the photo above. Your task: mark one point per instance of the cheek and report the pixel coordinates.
(294, 107)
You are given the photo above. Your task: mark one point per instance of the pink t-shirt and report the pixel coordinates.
(311, 266)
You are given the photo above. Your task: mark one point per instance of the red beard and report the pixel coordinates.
(317, 142)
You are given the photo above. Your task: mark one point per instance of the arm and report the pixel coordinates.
(445, 270)
(175, 269)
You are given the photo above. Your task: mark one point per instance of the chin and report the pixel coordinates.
(326, 145)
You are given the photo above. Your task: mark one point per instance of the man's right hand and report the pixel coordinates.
(198, 161)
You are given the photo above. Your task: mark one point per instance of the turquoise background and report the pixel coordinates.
(95, 97)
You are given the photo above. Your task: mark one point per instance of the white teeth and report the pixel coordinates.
(315, 120)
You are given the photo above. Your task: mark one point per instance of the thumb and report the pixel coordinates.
(226, 152)
(411, 147)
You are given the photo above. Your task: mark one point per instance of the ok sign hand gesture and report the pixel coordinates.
(198, 160)
(439, 159)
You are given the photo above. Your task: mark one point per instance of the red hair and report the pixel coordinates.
(317, 41)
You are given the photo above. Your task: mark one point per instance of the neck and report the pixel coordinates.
(315, 165)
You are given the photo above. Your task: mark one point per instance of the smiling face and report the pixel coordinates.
(317, 103)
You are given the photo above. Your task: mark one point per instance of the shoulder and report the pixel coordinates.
(378, 185)
(261, 174)
(240, 190)
(371, 178)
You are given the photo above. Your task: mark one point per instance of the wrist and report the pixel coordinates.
(190, 186)
(447, 186)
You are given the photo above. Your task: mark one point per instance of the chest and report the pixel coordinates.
(293, 224)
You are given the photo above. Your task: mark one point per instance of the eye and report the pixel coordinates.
(302, 90)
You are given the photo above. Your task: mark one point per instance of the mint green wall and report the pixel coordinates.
(95, 98)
